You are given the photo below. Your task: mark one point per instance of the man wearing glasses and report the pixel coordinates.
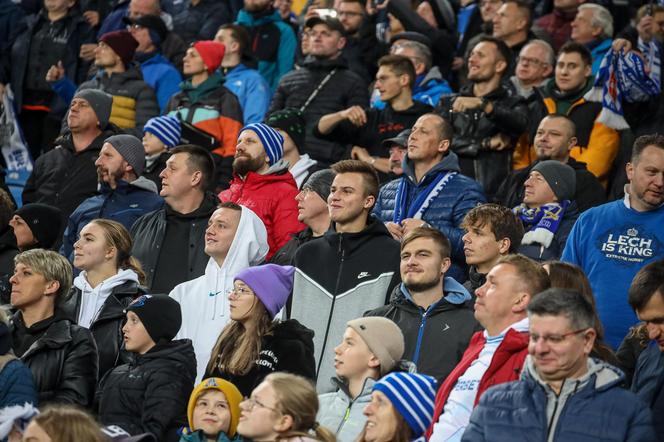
(563, 394)
(534, 66)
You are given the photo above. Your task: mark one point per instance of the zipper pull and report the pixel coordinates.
(347, 414)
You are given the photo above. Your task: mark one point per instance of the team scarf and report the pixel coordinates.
(541, 223)
(403, 210)
(625, 76)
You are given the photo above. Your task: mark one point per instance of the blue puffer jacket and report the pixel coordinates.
(598, 52)
(251, 90)
(446, 211)
(592, 408)
(648, 383)
(428, 89)
(16, 384)
(162, 76)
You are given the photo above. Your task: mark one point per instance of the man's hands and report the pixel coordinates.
(360, 153)
(87, 51)
(399, 231)
(55, 72)
(355, 115)
(462, 104)
(92, 17)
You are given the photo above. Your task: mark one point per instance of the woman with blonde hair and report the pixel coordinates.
(282, 408)
(63, 424)
(109, 281)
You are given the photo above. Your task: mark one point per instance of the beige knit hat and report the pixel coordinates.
(383, 337)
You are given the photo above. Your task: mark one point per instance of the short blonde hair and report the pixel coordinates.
(51, 265)
(65, 423)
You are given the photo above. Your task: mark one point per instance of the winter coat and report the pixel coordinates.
(363, 50)
(338, 277)
(63, 362)
(204, 300)
(598, 51)
(286, 254)
(446, 325)
(107, 325)
(343, 414)
(539, 252)
(273, 44)
(272, 197)
(289, 347)
(648, 384)
(344, 89)
(12, 18)
(124, 204)
(161, 75)
(8, 251)
(251, 90)
(429, 87)
(473, 128)
(16, 384)
(150, 393)
(592, 408)
(62, 177)
(202, 21)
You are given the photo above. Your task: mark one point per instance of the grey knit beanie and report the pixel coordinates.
(560, 177)
(383, 337)
(101, 103)
(131, 150)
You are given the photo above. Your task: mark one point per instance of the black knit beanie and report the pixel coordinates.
(160, 314)
(45, 223)
(291, 121)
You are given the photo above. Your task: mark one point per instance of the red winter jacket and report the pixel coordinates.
(505, 366)
(272, 198)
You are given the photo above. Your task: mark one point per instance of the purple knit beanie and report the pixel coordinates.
(271, 283)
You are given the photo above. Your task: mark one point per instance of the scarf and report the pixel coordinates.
(421, 203)
(542, 222)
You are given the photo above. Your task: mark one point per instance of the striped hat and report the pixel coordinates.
(166, 128)
(412, 395)
(273, 142)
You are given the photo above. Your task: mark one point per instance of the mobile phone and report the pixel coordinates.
(323, 13)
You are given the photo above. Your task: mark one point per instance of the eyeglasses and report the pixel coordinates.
(252, 403)
(554, 339)
(239, 292)
(532, 61)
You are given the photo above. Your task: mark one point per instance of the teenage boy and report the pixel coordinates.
(370, 348)
(159, 135)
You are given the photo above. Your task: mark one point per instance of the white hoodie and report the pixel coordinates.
(204, 300)
(92, 299)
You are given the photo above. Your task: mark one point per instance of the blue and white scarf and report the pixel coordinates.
(542, 223)
(402, 210)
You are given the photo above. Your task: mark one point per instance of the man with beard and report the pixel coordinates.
(125, 194)
(262, 182)
(431, 309)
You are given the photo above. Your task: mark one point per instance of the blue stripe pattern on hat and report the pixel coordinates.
(166, 128)
(273, 142)
(413, 397)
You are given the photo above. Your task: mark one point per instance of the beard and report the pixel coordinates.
(421, 286)
(245, 164)
(111, 178)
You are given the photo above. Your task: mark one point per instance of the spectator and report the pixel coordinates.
(431, 309)
(250, 88)
(563, 394)
(200, 20)
(295, 400)
(613, 241)
(8, 247)
(158, 72)
(66, 373)
(262, 182)
(398, 147)
(65, 176)
(646, 296)
(370, 348)
(63, 423)
(37, 226)
(125, 194)
(534, 66)
(312, 210)
(401, 405)
(16, 384)
(431, 191)
(274, 40)
(554, 140)
(169, 242)
(492, 231)
(11, 26)
(207, 105)
(291, 125)
(51, 37)
(235, 239)
(597, 144)
(213, 412)
(593, 27)
(109, 281)
(159, 135)
(149, 393)
(327, 73)
(495, 355)
(253, 344)
(511, 24)
(558, 23)
(357, 258)
(366, 128)
(548, 210)
(486, 117)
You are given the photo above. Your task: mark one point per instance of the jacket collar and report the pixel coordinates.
(450, 162)
(56, 336)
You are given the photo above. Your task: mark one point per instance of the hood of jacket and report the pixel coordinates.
(125, 187)
(453, 294)
(449, 163)
(92, 299)
(294, 331)
(278, 172)
(196, 93)
(349, 242)
(246, 18)
(600, 375)
(433, 75)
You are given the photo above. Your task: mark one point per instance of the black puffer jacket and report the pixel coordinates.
(343, 90)
(150, 393)
(63, 362)
(285, 256)
(289, 348)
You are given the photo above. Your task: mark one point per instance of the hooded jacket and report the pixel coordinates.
(593, 407)
(272, 197)
(343, 414)
(204, 300)
(124, 204)
(428, 89)
(338, 277)
(251, 90)
(162, 76)
(446, 325)
(150, 393)
(288, 347)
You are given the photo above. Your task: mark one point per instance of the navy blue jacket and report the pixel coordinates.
(648, 384)
(16, 384)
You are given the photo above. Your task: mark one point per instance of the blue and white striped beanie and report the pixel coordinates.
(166, 128)
(412, 395)
(273, 141)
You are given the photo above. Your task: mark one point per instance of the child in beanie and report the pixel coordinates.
(213, 412)
(149, 393)
(159, 135)
(254, 344)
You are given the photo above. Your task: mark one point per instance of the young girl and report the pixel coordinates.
(108, 283)
(253, 344)
(63, 424)
(282, 408)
